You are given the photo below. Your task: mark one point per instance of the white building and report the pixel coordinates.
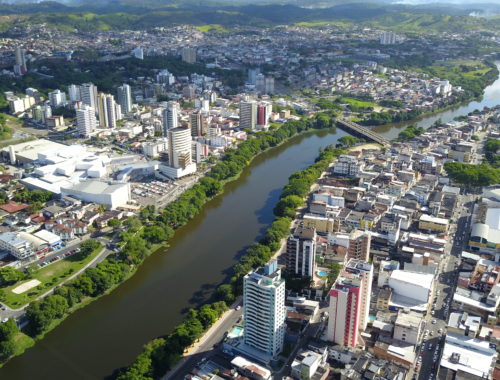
(347, 166)
(124, 96)
(388, 38)
(21, 245)
(179, 153)
(248, 114)
(170, 117)
(467, 358)
(109, 194)
(411, 289)
(265, 313)
(138, 53)
(74, 93)
(57, 98)
(85, 120)
(407, 326)
(188, 55)
(88, 95)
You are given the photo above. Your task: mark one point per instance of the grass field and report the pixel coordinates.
(49, 276)
(214, 28)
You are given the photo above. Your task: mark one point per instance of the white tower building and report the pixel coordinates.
(248, 114)
(85, 120)
(265, 313)
(125, 98)
(88, 94)
(170, 117)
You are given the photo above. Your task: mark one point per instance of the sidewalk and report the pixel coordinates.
(193, 349)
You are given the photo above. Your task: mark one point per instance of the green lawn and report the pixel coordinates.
(49, 276)
(215, 28)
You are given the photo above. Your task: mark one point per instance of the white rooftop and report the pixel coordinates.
(470, 355)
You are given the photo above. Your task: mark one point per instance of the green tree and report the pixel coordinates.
(225, 293)
(114, 223)
(10, 275)
(132, 224)
(347, 141)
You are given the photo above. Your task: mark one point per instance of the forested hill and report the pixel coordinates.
(124, 15)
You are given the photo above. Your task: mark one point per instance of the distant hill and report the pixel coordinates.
(131, 14)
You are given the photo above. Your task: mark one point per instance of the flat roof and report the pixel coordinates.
(467, 354)
(472, 302)
(29, 150)
(48, 236)
(433, 219)
(423, 280)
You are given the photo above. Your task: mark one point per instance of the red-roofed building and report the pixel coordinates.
(12, 207)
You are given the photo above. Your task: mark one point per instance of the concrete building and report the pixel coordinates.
(248, 114)
(467, 358)
(88, 94)
(198, 123)
(431, 223)
(359, 245)
(250, 369)
(407, 326)
(179, 153)
(349, 303)
(388, 38)
(124, 97)
(57, 98)
(74, 93)
(410, 289)
(138, 53)
(16, 244)
(170, 117)
(264, 302)
(85, 120)
(347, 165)
(20, 67)
(301, 252)
(188, 55)
(107, 111)
(111, 195)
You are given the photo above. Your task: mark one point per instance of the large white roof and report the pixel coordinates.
(423, 280)
(473, 356)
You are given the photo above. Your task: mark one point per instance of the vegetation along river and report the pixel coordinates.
(110, 332)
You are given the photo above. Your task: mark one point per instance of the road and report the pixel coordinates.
(205, 349)
(432, 338)
(18, 314)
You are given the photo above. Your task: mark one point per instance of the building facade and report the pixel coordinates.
(301, 251)
(265, 313)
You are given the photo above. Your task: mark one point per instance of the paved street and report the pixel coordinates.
(433, 339)
(205, 349)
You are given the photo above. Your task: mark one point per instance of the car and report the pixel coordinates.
(238, 307)
(430, 347)
(440, 331)
(433, 312)
(431, 333)
(5, 320)
(434, 322)
(426, 332)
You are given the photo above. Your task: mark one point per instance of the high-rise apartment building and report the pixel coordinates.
(359, 245)
(350, 303)
(107, 111)
(248, 114)
(269, 85)
(88, 94)
(301, 251)
(264, 302)
(74, 93)
(264, 110)
(198, 124)
(138, 53)
(170, 117)
(179, 147)
(388, 38)
(85, 120)
(124, 96)
(20, 68)
(188, 55)
(57, 98)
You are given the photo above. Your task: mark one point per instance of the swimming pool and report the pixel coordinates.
(321, 273)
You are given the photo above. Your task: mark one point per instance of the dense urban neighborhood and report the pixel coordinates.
(370, 250)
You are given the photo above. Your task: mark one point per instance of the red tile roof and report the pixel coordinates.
(12, 207)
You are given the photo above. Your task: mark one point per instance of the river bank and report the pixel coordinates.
(310, 125)
(201, 253)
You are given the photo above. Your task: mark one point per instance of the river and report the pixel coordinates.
(490, 98)
(109, 333)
